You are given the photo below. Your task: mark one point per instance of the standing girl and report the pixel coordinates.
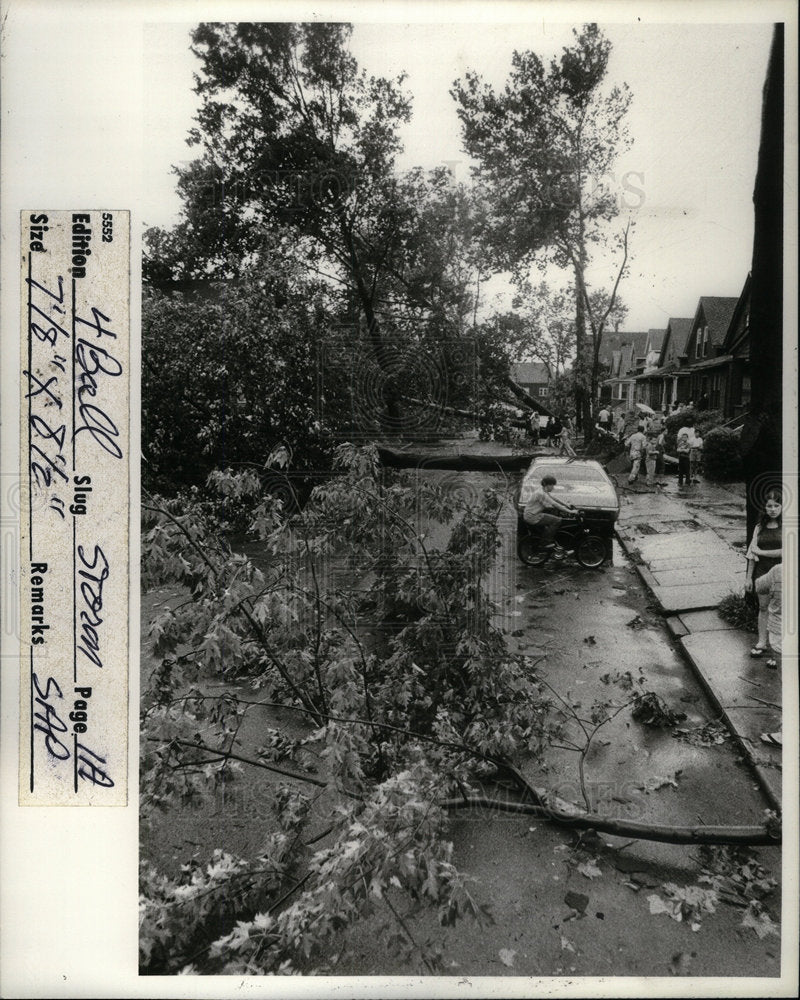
(566, 433)
(765, 552)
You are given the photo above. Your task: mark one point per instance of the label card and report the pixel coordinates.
(74, 423)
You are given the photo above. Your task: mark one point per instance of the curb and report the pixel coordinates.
(678, 631)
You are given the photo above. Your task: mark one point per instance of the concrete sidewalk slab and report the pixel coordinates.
(676, 562)
(705, 573)
(704, 621)
(690, 596)
(691, 558)
(721, 660)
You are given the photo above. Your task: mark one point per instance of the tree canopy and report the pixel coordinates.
(544, 147)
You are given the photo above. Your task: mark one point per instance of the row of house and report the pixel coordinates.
(705, 355)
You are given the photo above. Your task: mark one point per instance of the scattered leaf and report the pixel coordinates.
(650, 710)
(566, 944)
(507, 956)
(657, 905)
(659, 781)
(590, 640)
(760, 921)
(590, 870)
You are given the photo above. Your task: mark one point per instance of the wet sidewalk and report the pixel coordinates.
(688, 546)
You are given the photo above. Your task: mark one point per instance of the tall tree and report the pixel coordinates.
(545, 146)
(294, 135)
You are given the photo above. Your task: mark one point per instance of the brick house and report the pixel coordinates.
(533, 377)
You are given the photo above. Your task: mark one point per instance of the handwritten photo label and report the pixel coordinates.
(75, 360)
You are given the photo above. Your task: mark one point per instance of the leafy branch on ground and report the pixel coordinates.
(427, 687)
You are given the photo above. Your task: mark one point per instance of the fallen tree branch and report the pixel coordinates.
(545, 806)
(460, 462)
(523, 396)
(754, 836)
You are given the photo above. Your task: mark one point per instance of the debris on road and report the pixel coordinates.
(708, 735)
(689, 903)
(589, 869)
(577, 901)
(651, 710)
(653, 784)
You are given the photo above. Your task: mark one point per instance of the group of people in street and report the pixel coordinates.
(556, 432)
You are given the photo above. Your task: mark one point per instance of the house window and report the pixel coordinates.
(698, 342)
(544, 390)
(716, 392)
(705, 343)
(745, 400)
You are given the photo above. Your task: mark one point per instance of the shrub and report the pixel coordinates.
(722, 455)
(737, 611)
(704, 421)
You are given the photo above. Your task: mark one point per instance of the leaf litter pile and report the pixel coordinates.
(729, 875)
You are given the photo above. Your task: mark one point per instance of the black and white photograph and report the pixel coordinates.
(462, 502)
(462, 472)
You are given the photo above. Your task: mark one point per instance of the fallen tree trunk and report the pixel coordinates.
(542, 804)
(462, 463)
(564, 812)
(468, 414)
(523, 396)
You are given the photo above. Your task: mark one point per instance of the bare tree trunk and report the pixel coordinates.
(580, 349)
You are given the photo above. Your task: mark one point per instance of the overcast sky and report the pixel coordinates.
(694, 120)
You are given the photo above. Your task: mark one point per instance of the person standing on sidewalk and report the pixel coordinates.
(695, 458)
(637, 443)
(765, 552)
(533, 427)
(685, 438)
(651, 457)
(566, 447)
(771, 584)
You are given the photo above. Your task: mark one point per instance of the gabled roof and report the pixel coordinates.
(529, 372)
(655, 340)
(633, 349)
(738, 328)
(718, 312)
(677, 334)
(610, 343)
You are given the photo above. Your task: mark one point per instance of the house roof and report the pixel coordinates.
(655, 339)
(634, 349)
(718, 312)
(678, 330)
(530, 371)
(738, 328)
(613, 342)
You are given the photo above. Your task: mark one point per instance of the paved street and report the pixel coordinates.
(596, 637)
